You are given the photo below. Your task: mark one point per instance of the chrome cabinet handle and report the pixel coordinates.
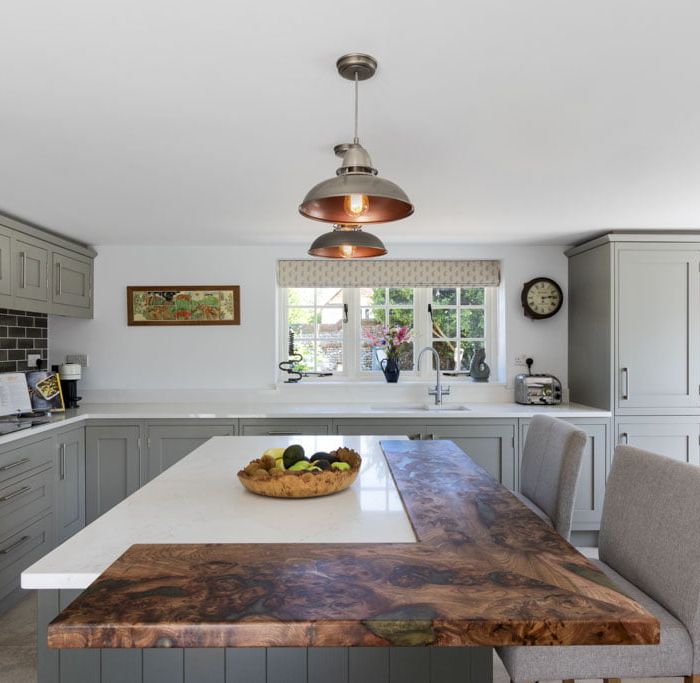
(58, 278)
(626, 393)
(625, 438)
(23, 281)
(14, 494)
(62, 462)
(284, 434)
(14, 545)
(17, 463)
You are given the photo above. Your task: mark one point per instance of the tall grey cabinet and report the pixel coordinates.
(634, 337)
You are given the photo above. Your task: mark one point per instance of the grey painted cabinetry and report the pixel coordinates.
(112, 468)
(168, 443)
(44, 273)
(634, 337)
(284, 427)
(70, 483)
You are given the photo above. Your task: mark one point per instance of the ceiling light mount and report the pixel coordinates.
(356, 66)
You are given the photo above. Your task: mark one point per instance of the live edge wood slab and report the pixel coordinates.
(485, 571)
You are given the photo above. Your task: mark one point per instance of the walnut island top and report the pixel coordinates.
(483, 570)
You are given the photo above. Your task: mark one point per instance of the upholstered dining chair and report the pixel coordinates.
(649, 545)
(549, 470)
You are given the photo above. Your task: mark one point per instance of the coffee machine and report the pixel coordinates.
(69, 374)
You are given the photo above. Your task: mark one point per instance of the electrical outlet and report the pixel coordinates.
(79, 358)
(32, 359)
(520, 359)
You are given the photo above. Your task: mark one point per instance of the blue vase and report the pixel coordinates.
(391, 371)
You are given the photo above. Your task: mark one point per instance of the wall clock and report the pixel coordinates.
(541, 298)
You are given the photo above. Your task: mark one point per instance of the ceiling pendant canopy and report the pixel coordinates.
(356, 195)
(347, 241)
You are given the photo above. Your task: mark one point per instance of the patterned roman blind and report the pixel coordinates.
(388, 273)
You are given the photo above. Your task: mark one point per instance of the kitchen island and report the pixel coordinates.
(480, 570)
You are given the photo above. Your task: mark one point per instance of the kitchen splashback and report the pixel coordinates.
(21, 333)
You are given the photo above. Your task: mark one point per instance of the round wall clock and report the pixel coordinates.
(541, 298)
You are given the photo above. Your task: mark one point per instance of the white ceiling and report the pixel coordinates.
(205, 122)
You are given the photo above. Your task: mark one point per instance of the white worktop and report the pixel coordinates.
(200, 500)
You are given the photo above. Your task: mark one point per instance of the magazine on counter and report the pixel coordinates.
(45, 391)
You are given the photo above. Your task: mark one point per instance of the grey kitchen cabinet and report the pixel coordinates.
(5, 267)
(489, 443)
(674, 437)
(41, 272)
(30, 274)
(71, 289)
(658, 327)
(590, 492)
(69, 515)
(284, 427)
(112, 467)
(380, 426)
(166, 443)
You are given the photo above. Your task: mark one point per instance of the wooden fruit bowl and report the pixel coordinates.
(285, 484)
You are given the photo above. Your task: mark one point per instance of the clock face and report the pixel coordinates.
(541, 298)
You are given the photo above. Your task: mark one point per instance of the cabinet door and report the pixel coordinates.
(672, 437)
(169, 443)
(71, 281)
(658, 302)
(491, 446)
(112, 457)
(30, 274)
(5, 268)
(70, 488)
(590, 491)
(284, 427)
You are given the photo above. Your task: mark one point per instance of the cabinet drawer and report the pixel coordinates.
(23, 500)
(283, 428)
(28, 457)
(21, 549)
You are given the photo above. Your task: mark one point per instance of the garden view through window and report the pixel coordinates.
(333, 328)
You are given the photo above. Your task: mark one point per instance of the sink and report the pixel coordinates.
(407, 407)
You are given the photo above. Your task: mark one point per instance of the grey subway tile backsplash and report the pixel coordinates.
(22, 333)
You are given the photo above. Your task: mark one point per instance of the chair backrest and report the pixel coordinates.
(550, 468)
(650, 531)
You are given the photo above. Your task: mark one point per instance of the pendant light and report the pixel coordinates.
(356, 195)
(347, 241)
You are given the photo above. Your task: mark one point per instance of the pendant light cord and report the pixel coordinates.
(356, 140)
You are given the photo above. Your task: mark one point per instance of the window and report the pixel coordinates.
(328, 326)
(459, 325)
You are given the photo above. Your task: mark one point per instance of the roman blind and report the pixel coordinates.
(388, 273)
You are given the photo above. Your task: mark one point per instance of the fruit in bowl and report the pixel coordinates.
(289, 473)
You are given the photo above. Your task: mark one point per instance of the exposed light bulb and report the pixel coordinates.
(356, 204)
(347, 250)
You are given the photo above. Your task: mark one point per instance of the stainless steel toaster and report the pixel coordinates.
(537, 389)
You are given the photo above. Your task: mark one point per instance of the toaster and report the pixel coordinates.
(537, 389)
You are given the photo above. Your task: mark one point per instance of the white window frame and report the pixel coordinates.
(422, 336)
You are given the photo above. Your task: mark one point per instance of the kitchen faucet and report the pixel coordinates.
(439, 391)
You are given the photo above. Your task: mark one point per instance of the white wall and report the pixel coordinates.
(218, 361)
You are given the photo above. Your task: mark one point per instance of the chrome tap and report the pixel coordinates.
(439, 391)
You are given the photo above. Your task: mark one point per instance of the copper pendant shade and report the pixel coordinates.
(356, 195)
(347, 241)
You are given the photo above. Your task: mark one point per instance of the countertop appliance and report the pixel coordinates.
(538, 389)
(70, 373)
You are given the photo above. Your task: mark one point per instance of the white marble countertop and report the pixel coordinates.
(273, 410)
(200, 500)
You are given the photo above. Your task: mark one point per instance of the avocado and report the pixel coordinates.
(292, 454)
(321, 455)
(322, 463)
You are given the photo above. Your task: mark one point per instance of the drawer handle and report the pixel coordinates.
(14, 464)
(14, 545)
(624, 438)
(284, 434)
(14, 494)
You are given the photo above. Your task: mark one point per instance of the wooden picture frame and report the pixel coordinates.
(174, 305)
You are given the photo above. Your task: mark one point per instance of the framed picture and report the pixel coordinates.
(184, 305)
(45, 391)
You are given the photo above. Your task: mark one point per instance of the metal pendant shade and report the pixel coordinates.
(347, 242)
(356, 195)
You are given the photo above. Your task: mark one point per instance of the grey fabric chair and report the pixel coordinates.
(649, 546)
(550, 469)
